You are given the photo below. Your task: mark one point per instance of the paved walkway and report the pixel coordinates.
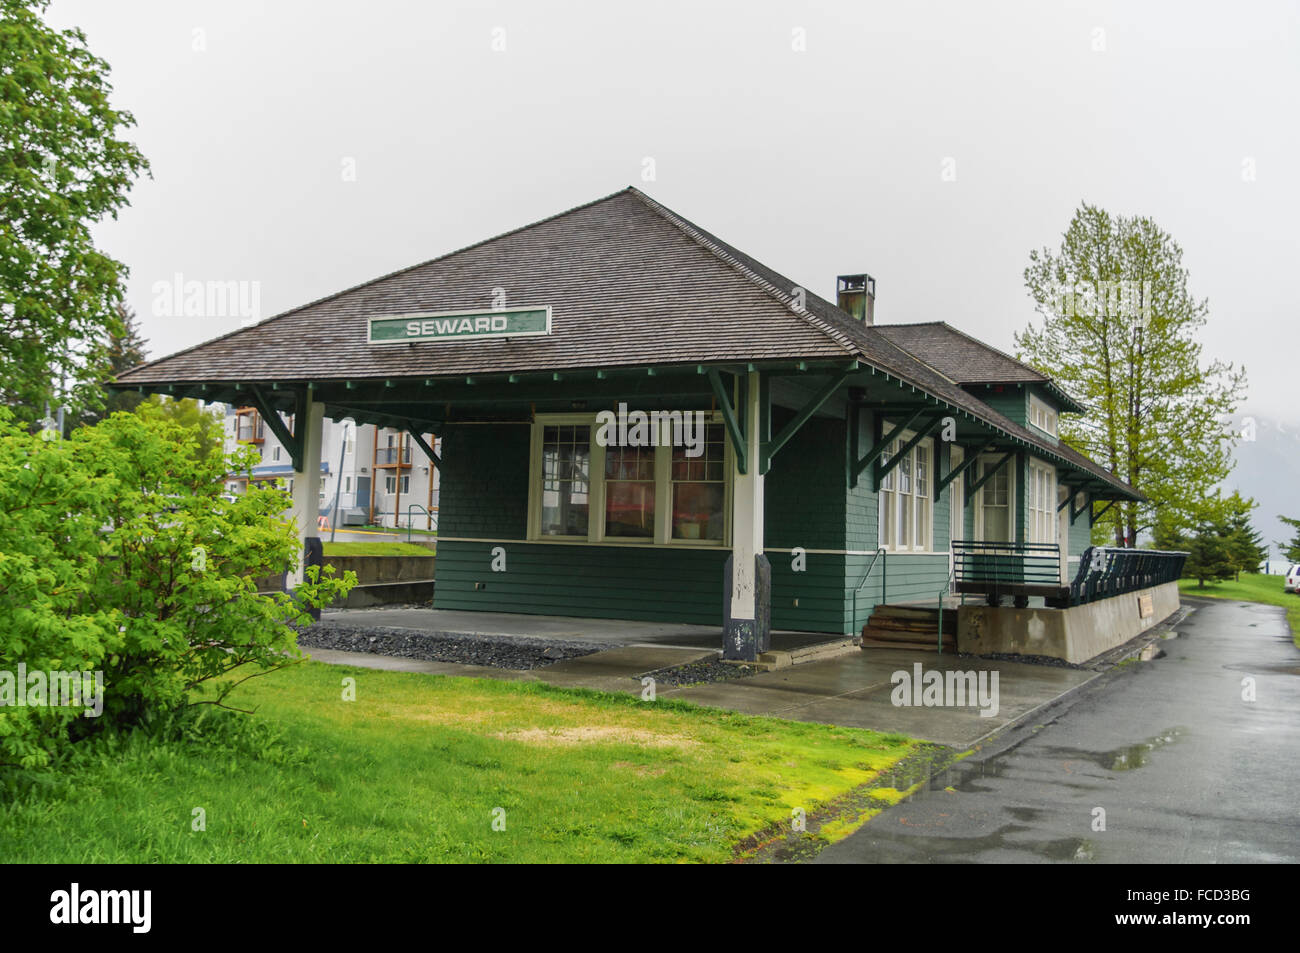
(853, 689)
(1185, 768)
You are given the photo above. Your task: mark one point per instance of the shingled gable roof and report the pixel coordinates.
(629, 282)
(967, 360)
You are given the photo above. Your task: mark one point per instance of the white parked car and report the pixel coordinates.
(1292, 583)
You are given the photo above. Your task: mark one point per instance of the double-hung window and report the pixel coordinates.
(906, 507)
(662, 491)
(994, 512)
(1042, 503)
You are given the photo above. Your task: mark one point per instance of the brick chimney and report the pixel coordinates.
(856, 294)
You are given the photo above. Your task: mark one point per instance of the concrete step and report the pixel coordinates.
(930, 646)
(809, 653)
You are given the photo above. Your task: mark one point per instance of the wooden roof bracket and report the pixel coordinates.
(874, 453)
(291, 442)
(814, 404)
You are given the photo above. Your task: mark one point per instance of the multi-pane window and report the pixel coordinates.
(655, 494)
(1042, 416)
(566, 479)
(1042, 504)
(995, 501)
(906, 510)
(630, 491)
(390, 484)
(700, 488)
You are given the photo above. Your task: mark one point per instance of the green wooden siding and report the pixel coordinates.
(1010, 401)
(484, 482)
(605, 582)
(484, 500)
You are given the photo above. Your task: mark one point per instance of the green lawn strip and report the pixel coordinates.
(412, 770)
(1251, 587)
(376, 549)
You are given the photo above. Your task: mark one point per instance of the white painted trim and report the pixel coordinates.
(928, 445)
(596, 490)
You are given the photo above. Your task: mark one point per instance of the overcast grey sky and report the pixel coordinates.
(819, 161)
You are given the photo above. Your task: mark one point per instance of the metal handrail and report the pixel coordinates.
(409, 521)
(884, 581)
(1106, 571)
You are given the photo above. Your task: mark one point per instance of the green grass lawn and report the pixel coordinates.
(413, 769)
(1251, 587)
(377, 549)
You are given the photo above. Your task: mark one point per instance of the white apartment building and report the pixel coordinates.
(377, 475)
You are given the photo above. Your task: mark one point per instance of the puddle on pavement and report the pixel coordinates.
(1135, 756)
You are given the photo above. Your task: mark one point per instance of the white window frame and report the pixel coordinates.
(1042, 498)
(891, 498)
(663, 537)
(1042, 415)
(978, 471)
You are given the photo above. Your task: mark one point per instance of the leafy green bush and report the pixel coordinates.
(118, 554)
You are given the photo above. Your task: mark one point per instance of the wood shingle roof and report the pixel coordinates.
(629, 283)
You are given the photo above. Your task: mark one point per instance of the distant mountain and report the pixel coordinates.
(1268, 469)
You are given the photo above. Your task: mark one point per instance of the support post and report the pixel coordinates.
(747, 605)
(308, 428)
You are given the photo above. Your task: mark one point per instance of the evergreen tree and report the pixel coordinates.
(1245, 544)
(1208, 556)
(1291, 550)
(1119, 332)
(125, 351)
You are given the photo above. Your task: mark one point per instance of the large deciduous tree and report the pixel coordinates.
(1119, 330)
(63, 167)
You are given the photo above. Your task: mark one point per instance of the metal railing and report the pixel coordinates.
(878, 555)
(387, 455)
(998, 568)
(410, 522)
(1106, 571)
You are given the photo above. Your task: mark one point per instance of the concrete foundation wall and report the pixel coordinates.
(372, 569)
(1075, 634)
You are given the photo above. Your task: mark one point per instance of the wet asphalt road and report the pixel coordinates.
(1184, 768)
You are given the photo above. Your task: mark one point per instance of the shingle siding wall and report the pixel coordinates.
(1012, 402)
(484, 485)
(804, 506)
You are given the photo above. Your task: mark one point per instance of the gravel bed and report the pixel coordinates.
(1049, 660)
(695, 673)
(498, 651)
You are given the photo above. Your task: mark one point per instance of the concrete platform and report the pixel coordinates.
(616, 631)
(855, 691)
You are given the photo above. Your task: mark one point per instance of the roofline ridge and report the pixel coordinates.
(695, 234)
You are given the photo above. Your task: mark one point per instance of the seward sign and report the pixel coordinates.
(459, 325)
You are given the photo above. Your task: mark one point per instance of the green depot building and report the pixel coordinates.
(640, 421)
